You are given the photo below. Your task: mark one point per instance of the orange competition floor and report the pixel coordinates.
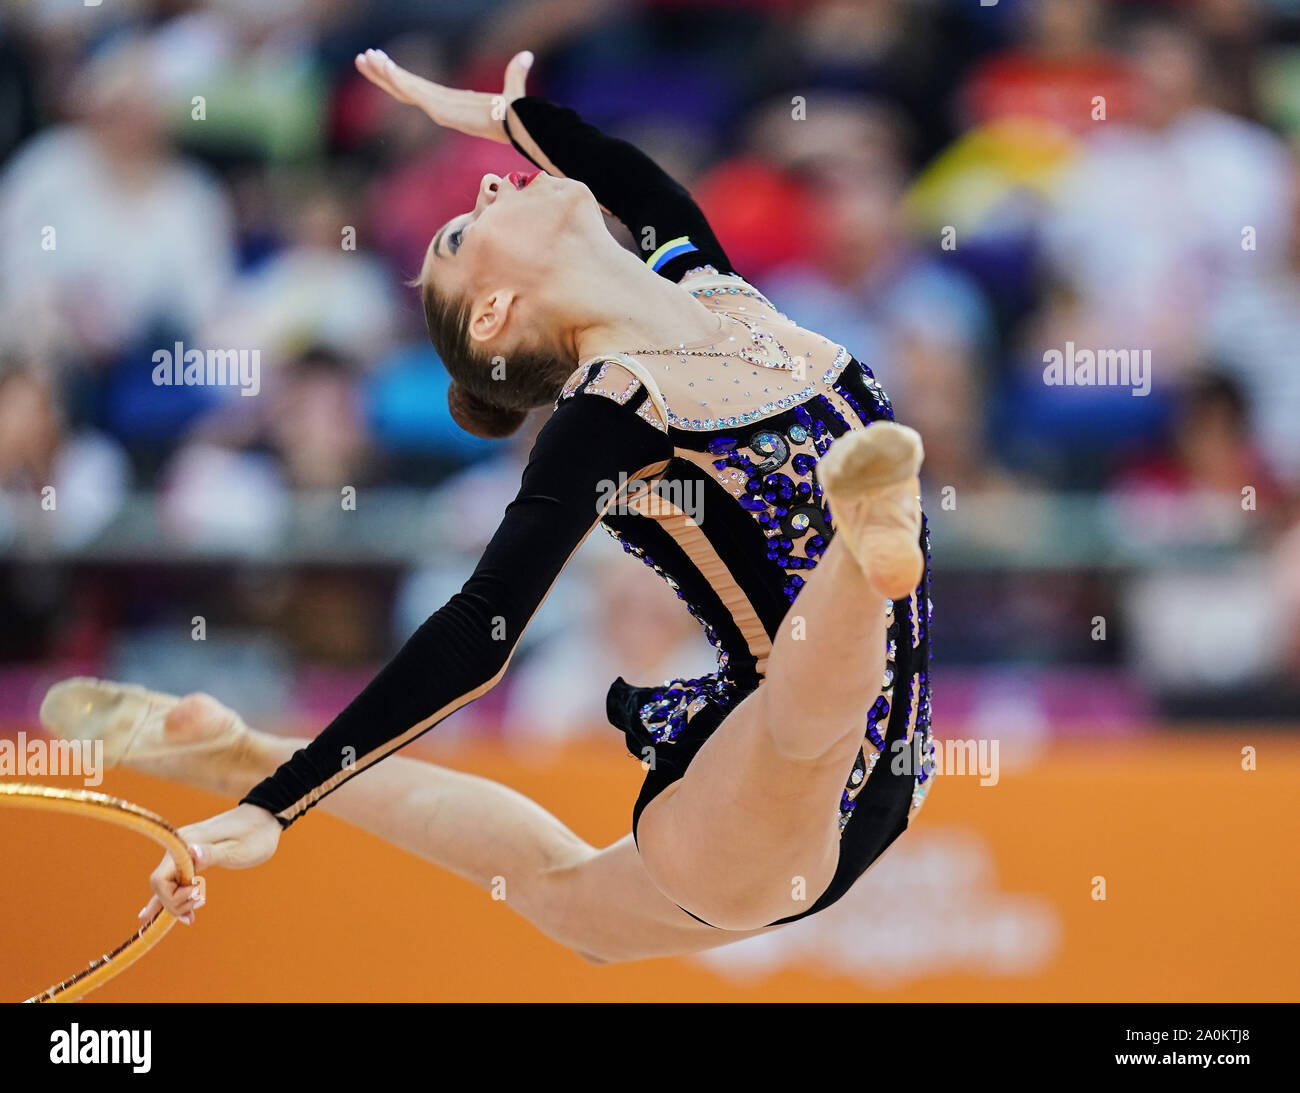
(989, 896)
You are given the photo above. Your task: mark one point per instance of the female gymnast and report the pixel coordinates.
(805, 561)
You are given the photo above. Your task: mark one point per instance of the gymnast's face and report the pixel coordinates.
(506, 256)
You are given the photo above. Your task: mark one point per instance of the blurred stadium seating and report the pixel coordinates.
(951, 190)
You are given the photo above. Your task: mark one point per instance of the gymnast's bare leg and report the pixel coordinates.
(599, 902)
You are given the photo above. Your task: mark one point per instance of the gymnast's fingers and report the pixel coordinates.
(177, 899)
(380, 69)
(517, 76)
(371, 65)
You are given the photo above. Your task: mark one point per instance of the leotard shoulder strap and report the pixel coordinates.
(619, 377)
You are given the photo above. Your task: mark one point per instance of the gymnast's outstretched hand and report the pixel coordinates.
(238, 839)
(477, 113)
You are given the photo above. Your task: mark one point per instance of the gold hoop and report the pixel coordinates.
(100, 806)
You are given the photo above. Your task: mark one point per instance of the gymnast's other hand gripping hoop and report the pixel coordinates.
(100, 806)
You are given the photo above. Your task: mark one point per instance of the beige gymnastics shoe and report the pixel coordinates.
(135, 726)
(871, 480)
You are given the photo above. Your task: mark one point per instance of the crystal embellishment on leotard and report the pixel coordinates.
(705, 269)
(883, 408)
(729, 290)
(767, 351)
(837, 366)
(791, 513)
(674, 703)
(647, 412)
(596, 386)
(743, 418)
(571, 385)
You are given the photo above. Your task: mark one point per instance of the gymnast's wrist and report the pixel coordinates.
(253, 799)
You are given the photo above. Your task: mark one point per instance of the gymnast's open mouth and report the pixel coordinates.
(520, 179)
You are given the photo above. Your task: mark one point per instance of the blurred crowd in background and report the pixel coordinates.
(948, 189)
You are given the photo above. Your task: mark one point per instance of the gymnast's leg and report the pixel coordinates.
(600, 903)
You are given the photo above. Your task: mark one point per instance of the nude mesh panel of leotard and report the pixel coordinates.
(698, 388)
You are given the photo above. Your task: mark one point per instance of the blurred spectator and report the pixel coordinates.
(1235, 32)
(907, 54)
(469, 504)
(1155, 220)
(1278, 79)
(1256, 332)
(316, 424)
(759, 214)
(85, 473)
(1069, 435)
(759, 202)
(1209, 482)
(104, 231)
(322, 289)
(1054, 75)
(407, 406)
(18, 88)
(1284, 580)
(252, 64)
(231, 485)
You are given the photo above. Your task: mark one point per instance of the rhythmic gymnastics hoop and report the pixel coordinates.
(100, 806)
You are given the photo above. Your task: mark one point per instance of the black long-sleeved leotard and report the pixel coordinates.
(704, 469)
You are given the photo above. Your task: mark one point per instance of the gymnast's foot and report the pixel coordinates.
(871, 480)
(195, 739)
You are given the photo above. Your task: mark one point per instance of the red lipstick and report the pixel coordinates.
(520, 179)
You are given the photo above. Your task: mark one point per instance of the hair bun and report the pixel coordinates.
(480, 417)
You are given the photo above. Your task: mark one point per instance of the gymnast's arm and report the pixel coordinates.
(462, 650)
(624, 180)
